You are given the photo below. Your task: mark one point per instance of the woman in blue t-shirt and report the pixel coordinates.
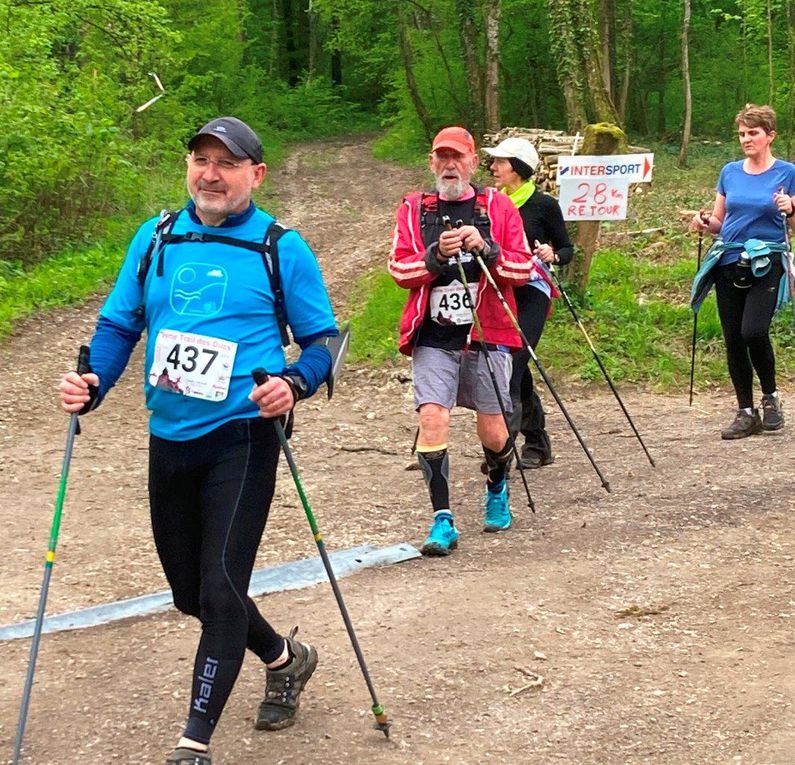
(754, 201)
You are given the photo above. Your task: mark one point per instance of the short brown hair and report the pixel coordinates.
(757, 116)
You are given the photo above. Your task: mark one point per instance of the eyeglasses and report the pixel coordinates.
(202, 162)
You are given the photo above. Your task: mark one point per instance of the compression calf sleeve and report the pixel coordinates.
(435, 466)
(497, 463)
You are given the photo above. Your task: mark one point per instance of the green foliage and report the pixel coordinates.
(59, 281)
(69, 72)
(374, 321)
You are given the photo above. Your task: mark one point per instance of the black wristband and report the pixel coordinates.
(297, 386)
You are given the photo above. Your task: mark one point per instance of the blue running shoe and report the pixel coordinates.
(497, 511)
(443, 538)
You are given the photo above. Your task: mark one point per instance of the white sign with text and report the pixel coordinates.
(597, 187)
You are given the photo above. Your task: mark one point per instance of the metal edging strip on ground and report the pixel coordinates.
(286, 576)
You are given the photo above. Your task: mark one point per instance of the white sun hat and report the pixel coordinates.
(519, 148)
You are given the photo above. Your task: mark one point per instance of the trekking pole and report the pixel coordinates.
(542, 371)
(789, 274)
(83, 366)
(381, 723)
(695, 316)
(448, 225)
(601, 365)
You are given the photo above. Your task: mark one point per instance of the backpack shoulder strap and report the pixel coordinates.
(481, 217)
(270, 258)
(161, 233)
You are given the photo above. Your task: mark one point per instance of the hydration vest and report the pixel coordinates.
(268, 249)
(430, 223)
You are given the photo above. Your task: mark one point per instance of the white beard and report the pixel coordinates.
(451, 189)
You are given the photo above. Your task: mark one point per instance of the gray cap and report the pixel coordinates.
(238, 137)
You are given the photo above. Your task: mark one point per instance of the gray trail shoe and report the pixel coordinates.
(744, 425)
(183, 756)
(283, 687)
(772, 412)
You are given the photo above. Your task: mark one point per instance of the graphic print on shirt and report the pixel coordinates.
(198, 289)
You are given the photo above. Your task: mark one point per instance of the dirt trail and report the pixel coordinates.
(660, 616)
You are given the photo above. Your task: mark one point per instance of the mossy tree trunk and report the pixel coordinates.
(601, 138)
(686, 127)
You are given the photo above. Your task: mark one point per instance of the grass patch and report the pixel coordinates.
(374, 324)
(63, 280)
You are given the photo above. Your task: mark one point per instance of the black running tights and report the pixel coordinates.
(745, 316)
(528, 413)
(209, 500)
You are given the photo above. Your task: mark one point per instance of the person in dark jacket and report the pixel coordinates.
(513, 163)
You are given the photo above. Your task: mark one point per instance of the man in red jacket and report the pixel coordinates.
(437, 328)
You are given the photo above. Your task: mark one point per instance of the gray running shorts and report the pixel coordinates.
(461, 377)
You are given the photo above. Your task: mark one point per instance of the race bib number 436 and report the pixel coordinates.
(192, 365)
(452, 304)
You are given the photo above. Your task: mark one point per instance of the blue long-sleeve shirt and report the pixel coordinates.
(210, 320)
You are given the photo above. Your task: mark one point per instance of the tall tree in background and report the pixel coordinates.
(565, 50)
(686, 84)
(607, 38)
(770, 88)
(467, 32)
(627, 49)
(491, 105)
(407, 57)
(577, 46)
(791, 71)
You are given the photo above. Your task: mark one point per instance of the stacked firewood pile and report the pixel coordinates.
(550, 144)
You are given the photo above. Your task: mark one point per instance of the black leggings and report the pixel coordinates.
(745, 316)
(528, 413)
(209, 500)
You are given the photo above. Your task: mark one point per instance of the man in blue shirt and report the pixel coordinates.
(196, 282)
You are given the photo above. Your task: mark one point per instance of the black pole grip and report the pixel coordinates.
(260, 376)
(83, 360)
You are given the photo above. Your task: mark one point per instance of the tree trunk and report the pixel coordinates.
(336, 55)
(626, 38)
(770, 77)
(491, 102)
(602, 108)
(607, 38)
(686, 85)
(314, 40)
(564, 43)
(790, 89)
(289, 32)
(661, 123)
(276, 28)
(407, 57)
(468, 35)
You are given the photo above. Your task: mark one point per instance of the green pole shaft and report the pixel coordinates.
(260, 376)
(45, 586)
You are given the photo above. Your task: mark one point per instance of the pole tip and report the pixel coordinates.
(381, 722)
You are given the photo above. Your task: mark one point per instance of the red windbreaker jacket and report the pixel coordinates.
(512, 268)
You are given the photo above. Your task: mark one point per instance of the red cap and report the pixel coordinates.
(456, 138)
